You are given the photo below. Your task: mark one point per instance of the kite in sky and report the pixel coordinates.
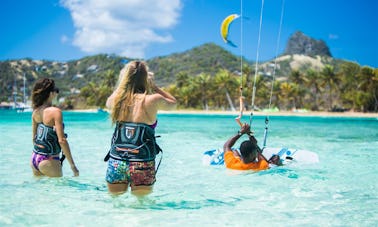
(225, 27)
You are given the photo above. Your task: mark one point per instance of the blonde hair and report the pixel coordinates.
(132, 80)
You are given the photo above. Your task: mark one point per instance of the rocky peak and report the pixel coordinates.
(300, 43)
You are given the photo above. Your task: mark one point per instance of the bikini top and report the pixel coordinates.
(46, 140)
(134, 142)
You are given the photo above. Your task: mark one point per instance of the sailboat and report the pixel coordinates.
(23, 106)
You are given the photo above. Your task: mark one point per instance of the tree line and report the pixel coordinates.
(347, 87)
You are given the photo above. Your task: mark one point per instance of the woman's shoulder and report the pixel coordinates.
(153, 97)
(53, 110)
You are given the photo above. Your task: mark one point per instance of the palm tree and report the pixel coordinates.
(109, 78)
(348, 77)
(299, 80)
(203, 82)
(313, 83)
(225, 82)
(262, 91)
(88, 93)
(181, 79)
(185, 96)
(247, 72)
(368, 89)
(297, 77)
(286, 95)
(275, 94)
(330, 80)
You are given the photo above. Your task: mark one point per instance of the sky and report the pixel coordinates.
(63, 30)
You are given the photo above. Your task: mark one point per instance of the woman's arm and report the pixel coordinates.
(34, 128)
(164, 99)
(161, 98)
(58, 122)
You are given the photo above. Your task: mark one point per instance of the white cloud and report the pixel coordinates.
(124, 27)
(64, 39)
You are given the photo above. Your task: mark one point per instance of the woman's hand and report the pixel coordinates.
(151, 76)
(151, 80)
(75, 171)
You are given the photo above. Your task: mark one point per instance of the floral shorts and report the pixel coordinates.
(135, 173)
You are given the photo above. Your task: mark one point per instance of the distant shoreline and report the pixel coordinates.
(280, 113)
(256, 113)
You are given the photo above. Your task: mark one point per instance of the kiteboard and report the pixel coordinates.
(287, 156)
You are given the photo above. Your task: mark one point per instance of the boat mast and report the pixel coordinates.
(14, 93)
(24, 90)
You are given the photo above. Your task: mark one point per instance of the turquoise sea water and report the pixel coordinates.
(340, 190)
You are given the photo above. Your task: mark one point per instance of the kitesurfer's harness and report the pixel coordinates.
(134, 142)
(46, 141)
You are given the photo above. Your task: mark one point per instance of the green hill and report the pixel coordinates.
(317, 82)
(208, 58)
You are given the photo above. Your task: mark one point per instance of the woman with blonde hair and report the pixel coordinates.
(49, 138)
(134, 105)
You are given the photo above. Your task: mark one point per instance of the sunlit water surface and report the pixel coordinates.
(340, 190)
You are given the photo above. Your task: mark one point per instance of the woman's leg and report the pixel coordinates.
(117, 176)
(141, 190)
(117, 189)
(45, 165)
(35, 171)
(143, 177)
(51, 168)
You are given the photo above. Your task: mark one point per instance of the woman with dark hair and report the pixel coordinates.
(48, 132)
(134, 105)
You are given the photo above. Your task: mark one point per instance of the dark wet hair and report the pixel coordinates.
(248, 151)
(41, 91)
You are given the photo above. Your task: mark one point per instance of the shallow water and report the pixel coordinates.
(340, 190)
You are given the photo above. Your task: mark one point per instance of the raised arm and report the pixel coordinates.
(230, 142)
(163, 99)
(241, 107)
(166, 100)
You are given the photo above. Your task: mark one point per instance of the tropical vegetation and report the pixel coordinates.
(208, 78)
